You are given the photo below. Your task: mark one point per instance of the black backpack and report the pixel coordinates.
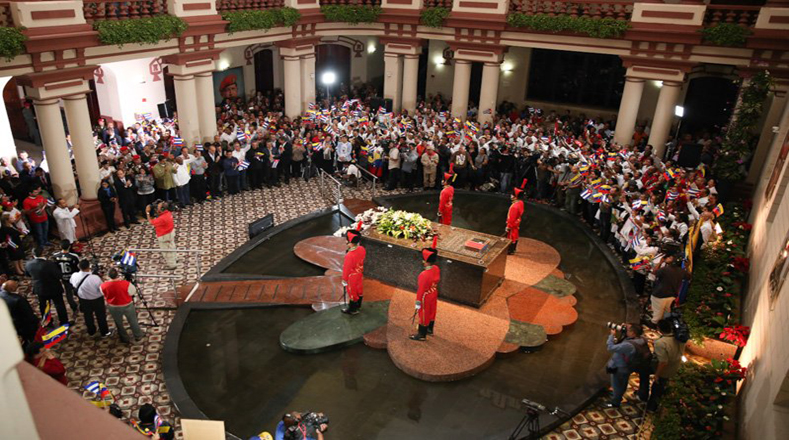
(642, 359)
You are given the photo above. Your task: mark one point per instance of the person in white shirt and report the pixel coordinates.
(181, 180)
(64, 217)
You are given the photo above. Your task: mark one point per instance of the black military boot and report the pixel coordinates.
(421, 334)
(430, 327)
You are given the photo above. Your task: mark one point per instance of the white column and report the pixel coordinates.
(82, 145)
(460, 89)
(53, 136)
(292, 86)
(489, 92)
(393, 71)
(7, 145)
(307, 81)
(628, 110)
(664, 115)
(206, 107)
(772, 118)
(186, 100)
(410, 81)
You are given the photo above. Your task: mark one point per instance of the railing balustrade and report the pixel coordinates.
(350, 2)
(113, 10)
(247, 5)
(741, 15)
(619, 10)
(438, 4)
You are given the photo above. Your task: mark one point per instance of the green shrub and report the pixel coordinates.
(260, 19)
(726, 34)
(433, 17)
(351, 14)
(12, 42)
(597, 28)
(139, 30)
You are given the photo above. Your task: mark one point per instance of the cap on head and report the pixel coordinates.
(355, 235)
(146, 413)
(518, 192)
(430, 255)
(449, 177)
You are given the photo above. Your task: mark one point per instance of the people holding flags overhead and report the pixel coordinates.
(427, 292)
(353, 270)
(445, 199)
(514, 216)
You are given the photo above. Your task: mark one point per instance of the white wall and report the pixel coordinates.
(514, 76)
(439, 76)
(129, 88)
(767, 353)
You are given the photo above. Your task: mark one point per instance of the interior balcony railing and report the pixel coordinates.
(745, 16)
(619, 10)
(438, 4)
(247, 5)
(96, 10)
(350, 2)
(6, 20)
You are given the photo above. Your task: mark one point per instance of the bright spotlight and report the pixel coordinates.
(679, 111)
(328, 78)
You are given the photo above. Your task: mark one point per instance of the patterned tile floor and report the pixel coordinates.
(133, 372)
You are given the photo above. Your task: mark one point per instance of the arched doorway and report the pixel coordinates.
(708, 104)
(337, 59)
(264, 71)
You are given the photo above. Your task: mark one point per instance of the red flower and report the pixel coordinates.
(718, 379)
(741, 264)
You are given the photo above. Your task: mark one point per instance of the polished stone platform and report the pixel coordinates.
(331, 329)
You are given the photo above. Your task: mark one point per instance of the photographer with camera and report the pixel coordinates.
(669, 349)
(668, 282)
(165, 230)
(305, 426)
(119, 294)
(631, 354)
(91, 301)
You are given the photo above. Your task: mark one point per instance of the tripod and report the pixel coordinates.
(130, 278)
(531, 421)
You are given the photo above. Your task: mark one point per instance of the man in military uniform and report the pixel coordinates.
(514, 217)
(427, 292)
(69, 264)
(151, 425)
(445, 199)
(353, 270)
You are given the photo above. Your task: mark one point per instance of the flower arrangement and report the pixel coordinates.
(713, 296)
(368, 219)
(401, 224)
(695, 405)
(742, 132)
(738, 335)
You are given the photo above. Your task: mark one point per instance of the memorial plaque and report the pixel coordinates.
(468, 275)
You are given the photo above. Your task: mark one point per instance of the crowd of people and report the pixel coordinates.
(641, 204)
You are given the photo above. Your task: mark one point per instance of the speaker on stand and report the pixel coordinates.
(165, 110)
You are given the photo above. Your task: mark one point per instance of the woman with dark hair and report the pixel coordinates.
(42, 358)
(107, 198)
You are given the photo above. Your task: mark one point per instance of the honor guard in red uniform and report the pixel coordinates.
(514, 217)
(445, 200)
(353, 270)
(427, 292)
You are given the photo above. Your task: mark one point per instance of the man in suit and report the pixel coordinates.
(214, 160)
(25, 321)
(127, 198)
(285, 156)
(47, 285)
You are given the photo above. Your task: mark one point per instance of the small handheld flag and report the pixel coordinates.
(46, 318)
(178, 142)
(718, 210)
(129, 259)
(244, 164)
(55, 336)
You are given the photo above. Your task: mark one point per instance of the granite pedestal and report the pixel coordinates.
(467, 277)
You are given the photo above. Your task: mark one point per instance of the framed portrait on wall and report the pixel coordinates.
(780, 272)
(228, 85)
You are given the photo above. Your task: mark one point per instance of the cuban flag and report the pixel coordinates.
(148, 116)
(50, 202)
(98, 389)
(328, 129)
(587, 193)
(661, 216)
(635, 241)
(199, 147)
(240, 135)
(244, 164)
(672, 195)
(178, 142)
(311, 106)
(52, 338)
(10, 242)
(129, 259)
(693, 193)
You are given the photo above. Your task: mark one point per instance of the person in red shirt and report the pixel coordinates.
(165, 231)
(514, 217)
(119, 295)
(353, 270)
(34, 206)
(445, 199)
(43, 359)
(427, 292)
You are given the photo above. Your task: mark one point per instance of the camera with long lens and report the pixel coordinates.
(679, 328)
(618, 327)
